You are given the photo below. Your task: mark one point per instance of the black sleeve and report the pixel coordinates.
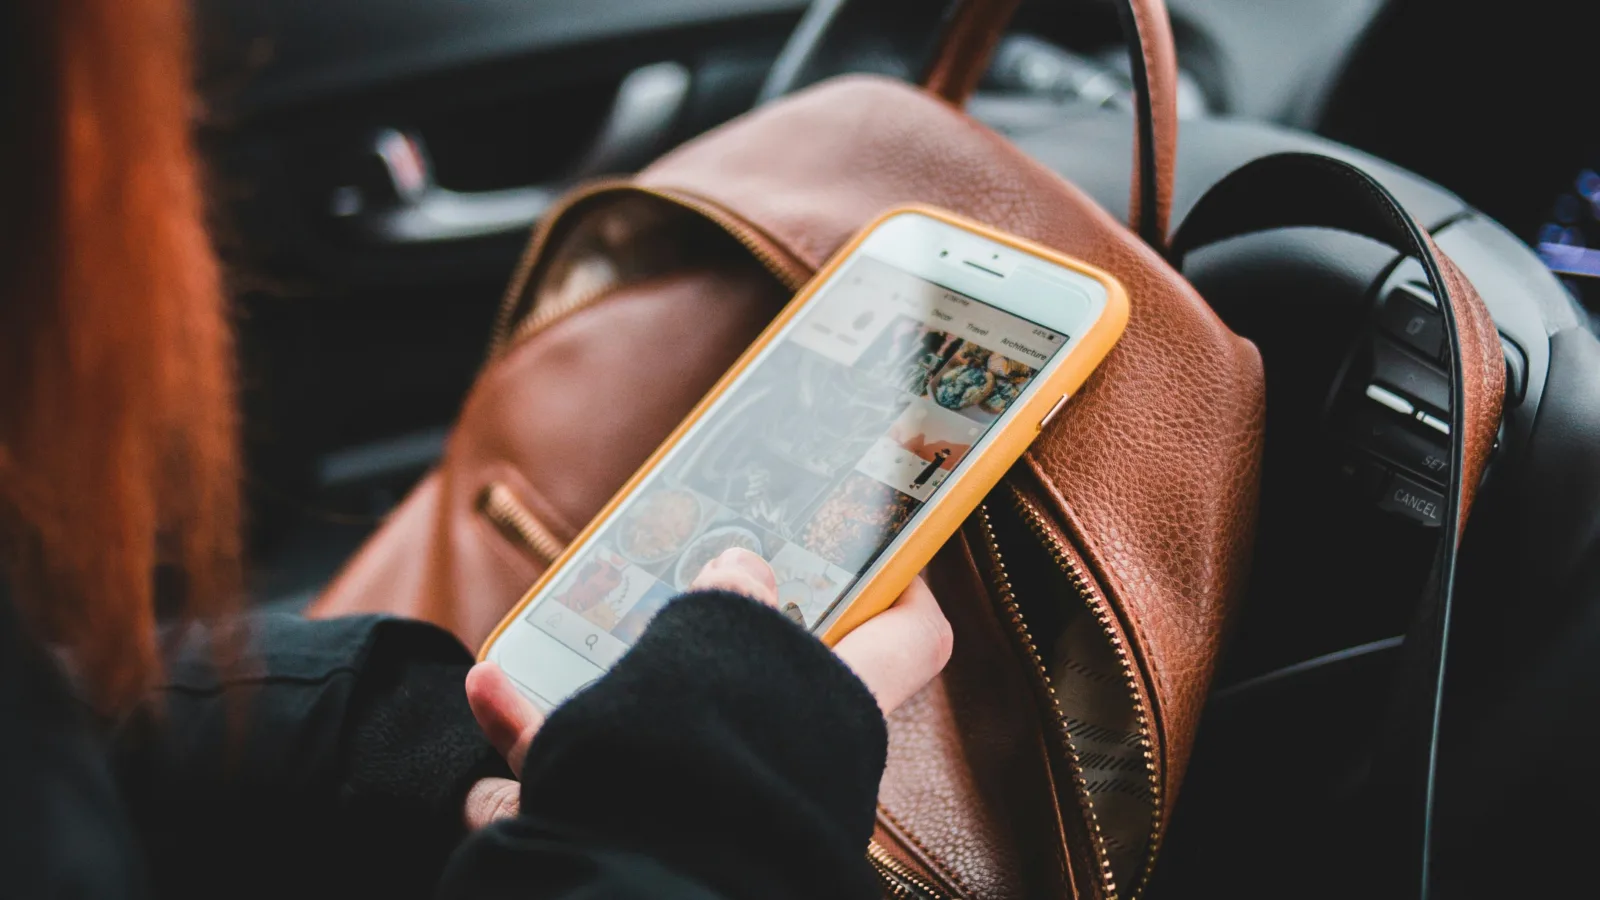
(62, 828)
(729, 754)
(333, 762)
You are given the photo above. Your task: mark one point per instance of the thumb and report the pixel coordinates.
(491, 800)
(508, 719)
(898, 651)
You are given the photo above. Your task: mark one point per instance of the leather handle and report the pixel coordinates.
(1395, 812)
(969, 40)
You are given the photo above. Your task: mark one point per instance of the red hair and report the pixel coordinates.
(118, 448)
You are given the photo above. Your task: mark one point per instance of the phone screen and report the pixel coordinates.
(821, 453)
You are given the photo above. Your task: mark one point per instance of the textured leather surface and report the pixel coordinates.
(1160, 52)
(563, 419)
(1484, 378)
(976, 27)
(1157, 457)
(965, 47)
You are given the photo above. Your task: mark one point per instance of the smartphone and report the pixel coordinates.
(845, 446)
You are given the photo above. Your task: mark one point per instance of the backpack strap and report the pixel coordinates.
(975, 27)
(1304, 189)
(956, 40)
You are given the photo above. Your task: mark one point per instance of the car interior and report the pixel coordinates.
(378, 167)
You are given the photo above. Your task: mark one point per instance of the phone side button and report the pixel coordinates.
(1053, 410)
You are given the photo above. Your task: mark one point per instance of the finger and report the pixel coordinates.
(901, 649)
(491, 800)
(508, 719)
(742, 572)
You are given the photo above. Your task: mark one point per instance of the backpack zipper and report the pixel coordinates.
(899, 881)
(1100, 609)
(501, 507)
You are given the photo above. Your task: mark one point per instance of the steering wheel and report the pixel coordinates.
(1306, 680)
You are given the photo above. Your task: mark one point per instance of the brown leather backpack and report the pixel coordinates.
(1090, 594)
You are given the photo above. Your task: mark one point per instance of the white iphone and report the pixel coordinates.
(844, 447)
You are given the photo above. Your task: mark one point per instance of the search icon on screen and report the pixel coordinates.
(591, 640)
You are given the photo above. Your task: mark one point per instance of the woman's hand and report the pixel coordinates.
(895, 654)
(509, 720)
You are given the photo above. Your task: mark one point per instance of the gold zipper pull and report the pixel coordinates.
(500, 506)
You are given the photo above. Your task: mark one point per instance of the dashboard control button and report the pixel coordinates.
(1413, 322)
(1397, 440)
(1404, 374)
(1385, 397)
(1434, 422)
(1420, 504)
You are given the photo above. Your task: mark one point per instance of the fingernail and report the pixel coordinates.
(749, 563)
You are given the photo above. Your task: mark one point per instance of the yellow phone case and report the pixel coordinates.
(955, 502)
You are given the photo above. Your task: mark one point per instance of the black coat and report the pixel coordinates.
(728, 755)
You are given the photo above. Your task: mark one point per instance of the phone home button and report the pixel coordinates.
(1053, 410)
